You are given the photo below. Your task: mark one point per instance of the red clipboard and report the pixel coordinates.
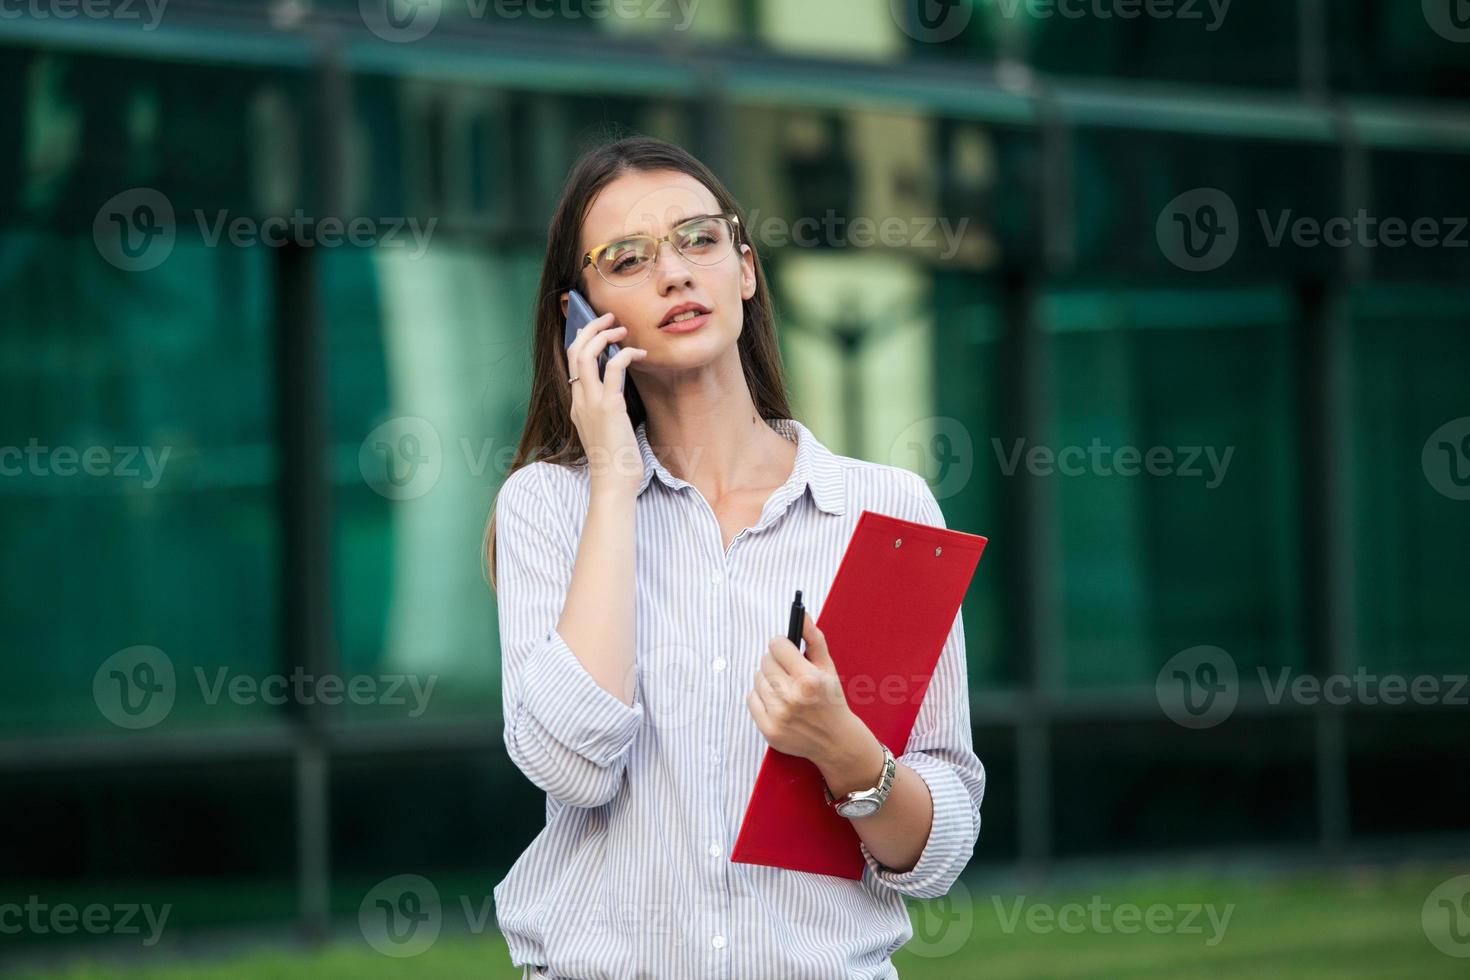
(889, 611)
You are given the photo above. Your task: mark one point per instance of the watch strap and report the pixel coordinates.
(881, 790)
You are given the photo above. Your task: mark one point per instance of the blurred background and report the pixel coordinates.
(1171, 300)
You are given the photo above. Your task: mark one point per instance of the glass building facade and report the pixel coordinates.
(293, 449)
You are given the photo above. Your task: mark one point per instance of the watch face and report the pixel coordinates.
(858, 808)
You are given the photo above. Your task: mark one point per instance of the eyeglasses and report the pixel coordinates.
(704, 240)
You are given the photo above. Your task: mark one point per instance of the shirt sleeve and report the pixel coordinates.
(563, 730)
(941, 750)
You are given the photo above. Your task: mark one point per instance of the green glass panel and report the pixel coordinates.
(1411, 477)
(1175, 501)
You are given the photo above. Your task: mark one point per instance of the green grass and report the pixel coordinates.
(1350, 924)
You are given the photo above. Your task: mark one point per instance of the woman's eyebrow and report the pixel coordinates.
(684, 220)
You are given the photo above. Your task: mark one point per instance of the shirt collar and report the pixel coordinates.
(816, 466)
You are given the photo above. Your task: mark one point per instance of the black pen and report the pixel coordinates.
(793, 632)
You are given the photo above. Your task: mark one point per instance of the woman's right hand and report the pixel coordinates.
(599, 410)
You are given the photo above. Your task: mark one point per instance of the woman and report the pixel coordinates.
(644, 547)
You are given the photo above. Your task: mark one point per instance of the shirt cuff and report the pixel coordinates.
(574, 709)
(952, 834)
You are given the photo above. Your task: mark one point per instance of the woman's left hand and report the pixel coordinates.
(797, 701)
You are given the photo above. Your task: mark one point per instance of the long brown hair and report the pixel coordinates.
(549, 433)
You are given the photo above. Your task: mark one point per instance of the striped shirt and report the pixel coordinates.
(631, 876)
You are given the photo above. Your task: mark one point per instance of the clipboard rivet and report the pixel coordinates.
(897, 542)
(937, 551)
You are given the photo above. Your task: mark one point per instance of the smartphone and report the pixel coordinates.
(579, 314)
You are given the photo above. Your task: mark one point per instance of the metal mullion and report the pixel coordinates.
(307, 636)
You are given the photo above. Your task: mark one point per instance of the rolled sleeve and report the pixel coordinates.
(941, 751)
(952, 835)
(573, 709)
(565, 732)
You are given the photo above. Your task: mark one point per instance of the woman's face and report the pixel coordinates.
(654, 203)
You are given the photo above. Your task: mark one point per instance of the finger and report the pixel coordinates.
(771, 667)
(757, 711)
(767, 692)
(593, 345)
(789, 658)
(590, 328)
(816, 641)
(617, 366)
(590, 332)
(579, 344)
(574, 349)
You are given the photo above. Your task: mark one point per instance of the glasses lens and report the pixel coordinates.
(627, 261)
(704, 241)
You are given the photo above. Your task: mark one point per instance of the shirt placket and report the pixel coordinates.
(718, 694)
(712, 815)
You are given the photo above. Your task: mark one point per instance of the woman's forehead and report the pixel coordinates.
(639, 203)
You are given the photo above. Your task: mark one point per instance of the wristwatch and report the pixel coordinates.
(865, 802)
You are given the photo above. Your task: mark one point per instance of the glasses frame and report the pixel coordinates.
(591, 257)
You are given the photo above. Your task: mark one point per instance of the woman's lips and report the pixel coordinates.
(686, 326)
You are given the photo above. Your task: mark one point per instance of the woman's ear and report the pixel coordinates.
(747, 272)
(565, 298)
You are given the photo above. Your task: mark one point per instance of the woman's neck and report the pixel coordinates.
(717, 441)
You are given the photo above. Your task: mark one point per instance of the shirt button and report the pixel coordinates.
(717, 577)
(718, 942)
(714, 850)
(719, 663)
